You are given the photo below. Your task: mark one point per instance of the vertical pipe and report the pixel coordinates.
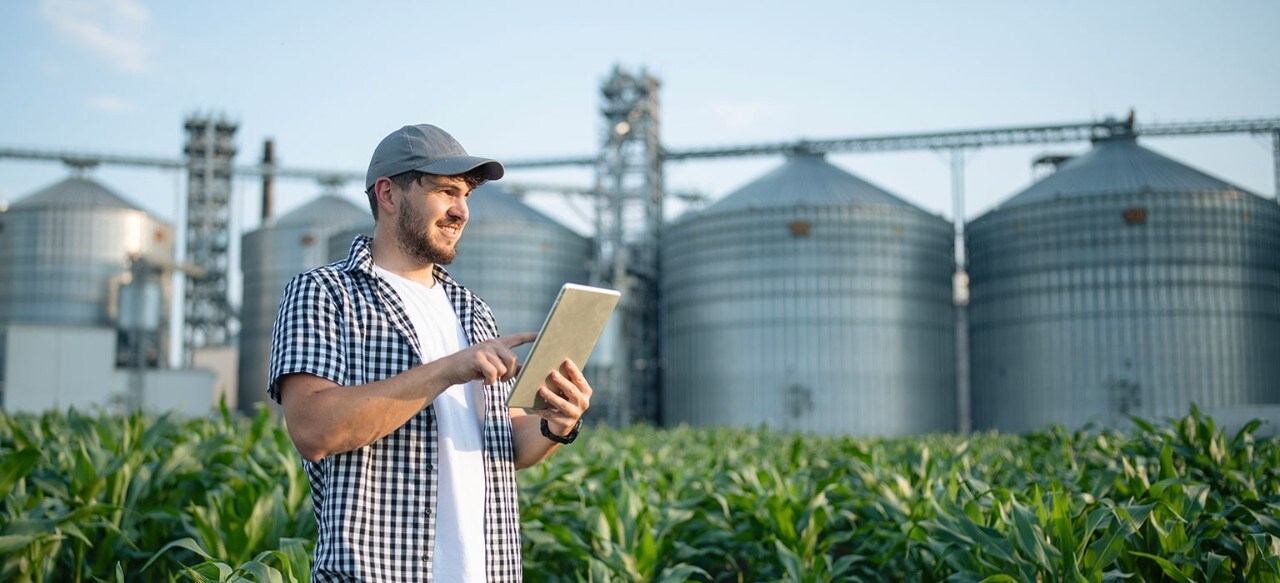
(957, 202)
(960, 294)
(268, 178)
(1275, 161)
(623, 371)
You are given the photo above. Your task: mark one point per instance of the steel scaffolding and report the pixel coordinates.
(628, 226)
(207, 309)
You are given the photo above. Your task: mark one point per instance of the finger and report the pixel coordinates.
(502, 360)
(579, 392)
(563, 387)
(555, 402)
(514, 340)
(512, 365)
(485, 374)
(574, 374)
(487, 371)
(578, 397)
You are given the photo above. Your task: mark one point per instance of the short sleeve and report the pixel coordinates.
(307, 336)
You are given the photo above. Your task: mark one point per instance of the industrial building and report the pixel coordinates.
(1125, 283)
(810, 300)
(84, 303)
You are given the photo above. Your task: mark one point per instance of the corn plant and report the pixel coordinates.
(87, 496)
(91, 496)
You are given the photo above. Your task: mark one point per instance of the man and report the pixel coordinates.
(393, 382)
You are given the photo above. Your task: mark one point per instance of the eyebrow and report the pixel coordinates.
(437, 184)
(454, 189)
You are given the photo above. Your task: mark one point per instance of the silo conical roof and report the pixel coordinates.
(1095, 292)
(325, 209)
(74, 192)
(809, 180)
(491, 202)
(1119, 165)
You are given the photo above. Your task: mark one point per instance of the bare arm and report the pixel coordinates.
(568, 396)
(324, 418)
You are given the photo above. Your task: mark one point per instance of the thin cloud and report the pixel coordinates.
(110, 103)
(111, 29)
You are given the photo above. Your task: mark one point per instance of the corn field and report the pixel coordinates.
(96, 497)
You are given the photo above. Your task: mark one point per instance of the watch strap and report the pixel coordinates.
(566, 439)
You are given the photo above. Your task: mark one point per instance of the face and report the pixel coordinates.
(431, 217)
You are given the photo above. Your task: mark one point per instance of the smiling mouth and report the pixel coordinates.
(451, 230)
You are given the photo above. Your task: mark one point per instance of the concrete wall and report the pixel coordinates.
(56, 367)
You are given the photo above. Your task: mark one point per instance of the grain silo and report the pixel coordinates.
(1125, 283)
(270, 257)
(810, 300)
(62, 247)
(78, 254)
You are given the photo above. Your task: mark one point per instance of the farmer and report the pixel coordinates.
(393, 382)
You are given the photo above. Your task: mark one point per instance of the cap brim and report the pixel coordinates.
(452, 166)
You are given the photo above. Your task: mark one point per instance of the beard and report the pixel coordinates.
(413, 236)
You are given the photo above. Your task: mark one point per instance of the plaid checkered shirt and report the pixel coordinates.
(375, 506)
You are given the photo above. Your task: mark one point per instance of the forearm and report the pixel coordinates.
(531, 447)
(324, 418)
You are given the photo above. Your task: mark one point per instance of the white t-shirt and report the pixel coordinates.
(459, 542)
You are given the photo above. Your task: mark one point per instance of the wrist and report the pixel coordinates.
(559, 427)
(558, 433)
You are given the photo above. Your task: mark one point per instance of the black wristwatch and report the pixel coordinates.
(573, 433)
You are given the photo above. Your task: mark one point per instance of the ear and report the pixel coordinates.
(383, 191)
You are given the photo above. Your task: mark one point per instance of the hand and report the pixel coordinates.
(568, 396)
(490, 361)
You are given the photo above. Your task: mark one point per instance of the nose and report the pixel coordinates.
(460, 211)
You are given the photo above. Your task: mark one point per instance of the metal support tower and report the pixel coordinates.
(628, 228)
(207, 309)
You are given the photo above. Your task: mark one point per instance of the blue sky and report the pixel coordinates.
(519, 80)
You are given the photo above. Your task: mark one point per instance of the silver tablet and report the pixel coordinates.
(570, 331)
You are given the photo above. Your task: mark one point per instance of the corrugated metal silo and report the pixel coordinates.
(512, 255)
(270, 257)
(1125, 283)
(61, 246)
(810, 300)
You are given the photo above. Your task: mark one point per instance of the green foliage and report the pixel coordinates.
(100, 497)
(1175, 502)
(143, 498)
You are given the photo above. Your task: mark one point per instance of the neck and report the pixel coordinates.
(389, 256)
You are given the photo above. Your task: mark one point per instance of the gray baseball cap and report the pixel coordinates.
(425, 148)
